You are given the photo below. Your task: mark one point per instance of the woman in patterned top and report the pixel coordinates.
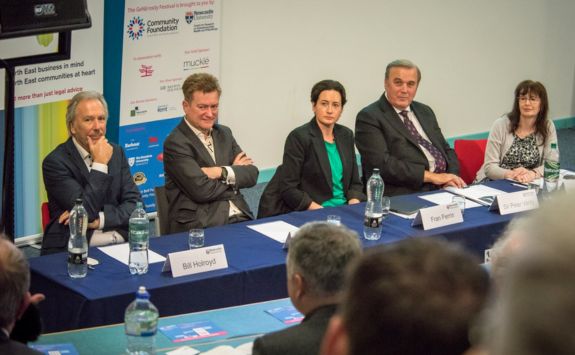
(519, 141)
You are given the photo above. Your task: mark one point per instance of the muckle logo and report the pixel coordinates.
(189, 17)
(135, 28)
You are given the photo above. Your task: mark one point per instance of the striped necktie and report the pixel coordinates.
(440, 163)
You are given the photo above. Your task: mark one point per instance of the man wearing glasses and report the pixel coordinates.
(204, 166)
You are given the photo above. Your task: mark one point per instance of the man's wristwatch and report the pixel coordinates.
(224, 176)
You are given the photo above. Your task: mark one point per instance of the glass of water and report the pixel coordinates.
(196, 238)
(386, 205)
(335, 219)
(460, 201)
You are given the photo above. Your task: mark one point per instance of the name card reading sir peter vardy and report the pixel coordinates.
(195, 261)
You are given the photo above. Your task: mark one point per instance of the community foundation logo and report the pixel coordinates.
(136, 28)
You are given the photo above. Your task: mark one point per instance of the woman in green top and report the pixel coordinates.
(319, 166)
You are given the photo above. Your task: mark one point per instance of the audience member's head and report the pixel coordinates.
(417, 296)
(534, 312)
(14, 284)
(316, 262)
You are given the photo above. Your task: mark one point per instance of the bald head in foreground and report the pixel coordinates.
(318, 257)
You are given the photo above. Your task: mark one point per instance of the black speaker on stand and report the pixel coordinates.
(20, 18)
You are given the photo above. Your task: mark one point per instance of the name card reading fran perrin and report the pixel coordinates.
(513, 202)
(195, 261)
(438, 216)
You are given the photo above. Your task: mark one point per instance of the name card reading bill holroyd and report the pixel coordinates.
(513, 202)
(438, 216)
(195, 261)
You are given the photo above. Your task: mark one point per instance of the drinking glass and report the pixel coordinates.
(386, 205)
(196, 238)
(333, 218)
(460, 201)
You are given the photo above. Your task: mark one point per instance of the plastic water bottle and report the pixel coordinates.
(373, 208)
(78, 244)
(141, 324)
(552, 169)
(139, 239)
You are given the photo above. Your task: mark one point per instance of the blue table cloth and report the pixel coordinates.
(256, 269)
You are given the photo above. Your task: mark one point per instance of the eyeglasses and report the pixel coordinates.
(529, 98)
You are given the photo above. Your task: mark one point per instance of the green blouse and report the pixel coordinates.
(336, 166)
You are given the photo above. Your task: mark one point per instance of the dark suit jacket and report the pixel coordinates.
(12, 347)
(195, 201)
(301, 339)
(67, 178)
(305, 174)
(385, 143)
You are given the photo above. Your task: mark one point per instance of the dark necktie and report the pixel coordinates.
(440, 164)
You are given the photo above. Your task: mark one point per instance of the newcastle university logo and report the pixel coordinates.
(131, 161)
(135, 28)
(189, 17)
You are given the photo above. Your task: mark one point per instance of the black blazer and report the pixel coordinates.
(302, 339)
(385, 143)
(12, 347)
(195, 201)
(305, 174)
(67, 178)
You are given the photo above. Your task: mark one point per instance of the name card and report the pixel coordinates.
(196, 261)
(285, 246)
(514, 202)
(438, 216)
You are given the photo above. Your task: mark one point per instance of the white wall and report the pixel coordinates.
(472, 55)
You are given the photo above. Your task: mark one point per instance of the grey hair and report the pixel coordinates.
(321, 252)
(535, 307)
(402, 63)
(14, 281)
(79, 97)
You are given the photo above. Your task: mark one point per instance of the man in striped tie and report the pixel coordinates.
(402, 138)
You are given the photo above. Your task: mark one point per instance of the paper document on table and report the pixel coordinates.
(184, 350)
(479, 193)
(121, 252)
(227, 350)
(277, 230)
(444, 198)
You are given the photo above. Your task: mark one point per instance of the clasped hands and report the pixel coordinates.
(521, 175)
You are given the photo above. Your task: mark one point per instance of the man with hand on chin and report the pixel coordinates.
(402, 138)
(204, 165)
(87, 166)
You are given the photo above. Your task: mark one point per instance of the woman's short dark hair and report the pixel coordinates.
(328, 85)
(527, 87)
